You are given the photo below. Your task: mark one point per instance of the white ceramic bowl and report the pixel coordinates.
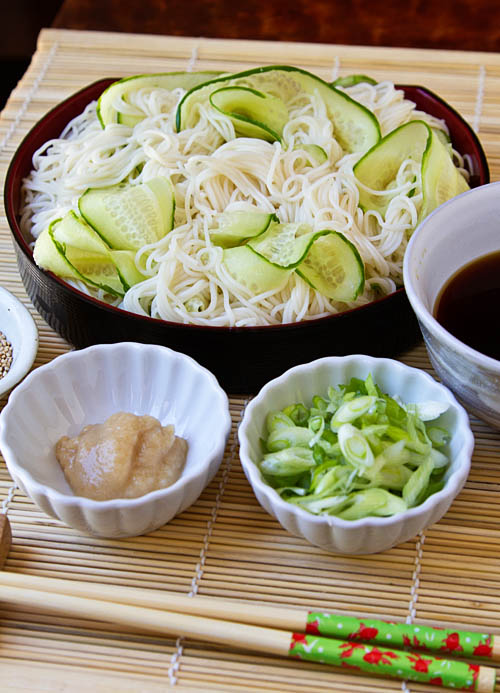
(459, 231)
(371, 534)
(20, 330)
(87, 386)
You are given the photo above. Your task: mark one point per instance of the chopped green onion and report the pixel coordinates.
(315, 505)
(355, 447)
(316, 425)
(293, 436)
(356, 452)
(438, 458)
(352, 410)
(417, 483)
(288, 462)
(372, 501)
(438, 436)
(276, 420)
(298, 413)
(430, 410)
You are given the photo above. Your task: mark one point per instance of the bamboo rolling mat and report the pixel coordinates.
(226, 544)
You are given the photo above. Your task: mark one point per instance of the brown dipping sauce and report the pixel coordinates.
(127, 456)
(468, 305)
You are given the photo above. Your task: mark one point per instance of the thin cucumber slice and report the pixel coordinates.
(328, 261)
(73, 231)
(316, 154)
(89, 260)
(356, 128)
(165, 194)
(252, 113)
(285, 245)
(441, 180)
(128, 217)
(333, 266)
(47, 256)
(379, 166)
(352, 80)
(235, 227)
(253, 272)
(107, 111)
(443, 136)
(124, 261)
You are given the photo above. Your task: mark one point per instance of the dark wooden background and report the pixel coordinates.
(463, 24)
(448, 24)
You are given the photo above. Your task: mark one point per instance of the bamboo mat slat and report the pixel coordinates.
(226, 544)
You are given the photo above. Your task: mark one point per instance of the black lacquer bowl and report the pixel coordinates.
(243, 358)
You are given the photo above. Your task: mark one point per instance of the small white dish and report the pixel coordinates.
(18, 327)
(459, 231)
(371, 534)
(87, 386)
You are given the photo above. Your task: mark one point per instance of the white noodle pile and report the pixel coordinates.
(214, 171)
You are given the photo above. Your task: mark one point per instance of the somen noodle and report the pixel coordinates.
(214, 171)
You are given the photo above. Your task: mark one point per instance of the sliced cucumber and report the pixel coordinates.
(441, 180)
(47, 256)
(285, 245)
(235, 227)
(325, 259)
(253, 272)
(74, 232)
(124, 261)
(119, 90)
(379, 166)
(128, 217)
(352, 80)
(252, 113)
(356, 128)
(443, 136)
(165, 194)
(71, 249)
(415, 140)
(328, 261)
(333, 266)
(317, 154)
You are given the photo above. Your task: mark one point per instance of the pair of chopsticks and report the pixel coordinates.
(335, 639)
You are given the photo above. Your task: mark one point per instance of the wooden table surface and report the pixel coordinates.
(448, 24)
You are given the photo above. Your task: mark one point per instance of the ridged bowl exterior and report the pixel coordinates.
(83, 321)
(369, 535)
(87, 386)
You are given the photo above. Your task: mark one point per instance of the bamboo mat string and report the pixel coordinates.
(335, 69)
(200, 566)
(175, 663)
(478, 111)
(179, 643)
(412, 606)
(8, 499)
(193, 59)
(419, 552)
(29, 96)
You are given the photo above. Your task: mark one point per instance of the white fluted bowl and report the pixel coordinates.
(371, 534)
(20, 331)
(87, 386)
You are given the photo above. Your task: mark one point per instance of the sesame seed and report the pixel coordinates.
(5, 355)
